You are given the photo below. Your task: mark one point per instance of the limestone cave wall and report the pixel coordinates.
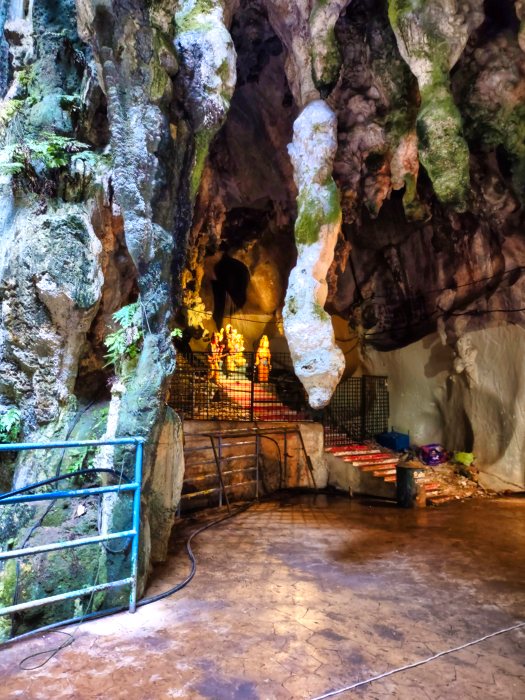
(300, 166)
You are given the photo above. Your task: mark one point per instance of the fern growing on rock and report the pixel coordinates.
(124, 345)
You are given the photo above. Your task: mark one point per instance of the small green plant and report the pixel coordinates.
(176, 333)
(124, 345)
(36, 164)
(10, 425)
(50, 153)
(81, 458)
(8, 110)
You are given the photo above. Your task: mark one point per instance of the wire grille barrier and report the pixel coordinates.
(359, 408)
(358, 411)
(199, 391)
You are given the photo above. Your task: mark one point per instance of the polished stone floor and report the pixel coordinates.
(303, 595)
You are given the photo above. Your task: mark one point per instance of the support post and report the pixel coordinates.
(136, 524)
(257, 453)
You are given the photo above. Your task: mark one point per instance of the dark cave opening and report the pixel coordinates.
(232, 279)
(243, 242)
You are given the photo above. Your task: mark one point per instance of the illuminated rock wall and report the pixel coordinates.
(469, 397)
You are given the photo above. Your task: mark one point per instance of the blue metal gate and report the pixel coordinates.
(22, 496)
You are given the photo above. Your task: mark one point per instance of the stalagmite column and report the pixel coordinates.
(318, 362)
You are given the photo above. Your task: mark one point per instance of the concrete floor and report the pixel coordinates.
(297, 597)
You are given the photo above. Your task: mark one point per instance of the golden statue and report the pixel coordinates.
(228, 339)
(238, 345)
(215, 357)
(262, 359)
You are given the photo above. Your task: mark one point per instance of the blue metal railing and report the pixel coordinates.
(133, 486)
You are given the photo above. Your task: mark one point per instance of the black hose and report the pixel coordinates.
(184, 582)
(143, 601)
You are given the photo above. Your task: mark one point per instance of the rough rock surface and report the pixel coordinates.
(48, 304)
(318, 362)
(207, 72)
(431, 37)
(461, 397)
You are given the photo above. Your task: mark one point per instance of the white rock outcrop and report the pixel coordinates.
(469, 398)
(318, 362)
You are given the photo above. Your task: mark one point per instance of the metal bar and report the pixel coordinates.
(218, 466)
(12, 553)
(308, 460)
(51, 495)
(232, 458)
(252, 396)
(241, 483)
(136, 526)
(64, 596)
(285, 448)
(201, 477)
(236, 444)
(223, 458)
(133, 533)
(219, 474)
(79, 443)
(194, 494)
(213, 475)
(239, 471)
(257, 451)
(363, 409)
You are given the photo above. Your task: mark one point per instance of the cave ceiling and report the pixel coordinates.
(406, 262)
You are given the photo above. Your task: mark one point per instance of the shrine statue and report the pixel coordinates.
(238, 344)
(262, 359)
(229, 348)
(215, 357)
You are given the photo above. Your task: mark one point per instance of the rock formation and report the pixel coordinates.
(318, 362)
(144, 160)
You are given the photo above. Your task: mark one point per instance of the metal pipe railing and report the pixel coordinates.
(133, 533)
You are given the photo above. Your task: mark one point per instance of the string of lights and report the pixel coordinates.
(472, 283)
(432, 316)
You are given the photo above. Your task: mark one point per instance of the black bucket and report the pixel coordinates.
(408, 491)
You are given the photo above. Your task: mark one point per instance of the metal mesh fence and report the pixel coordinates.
(342, 418)
(235, 389)
(375, 405)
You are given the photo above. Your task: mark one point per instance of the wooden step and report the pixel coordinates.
(371, 466)
(369, 457)
(432, 486)
(385, 472)
(354, 453)
(390, 479)
(439, 500)
(351, 448)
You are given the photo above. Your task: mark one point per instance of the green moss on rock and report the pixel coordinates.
(316, 207)
(495, 126)
(428, 48)
(202, 144)
(442, 149)
(7, 592)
